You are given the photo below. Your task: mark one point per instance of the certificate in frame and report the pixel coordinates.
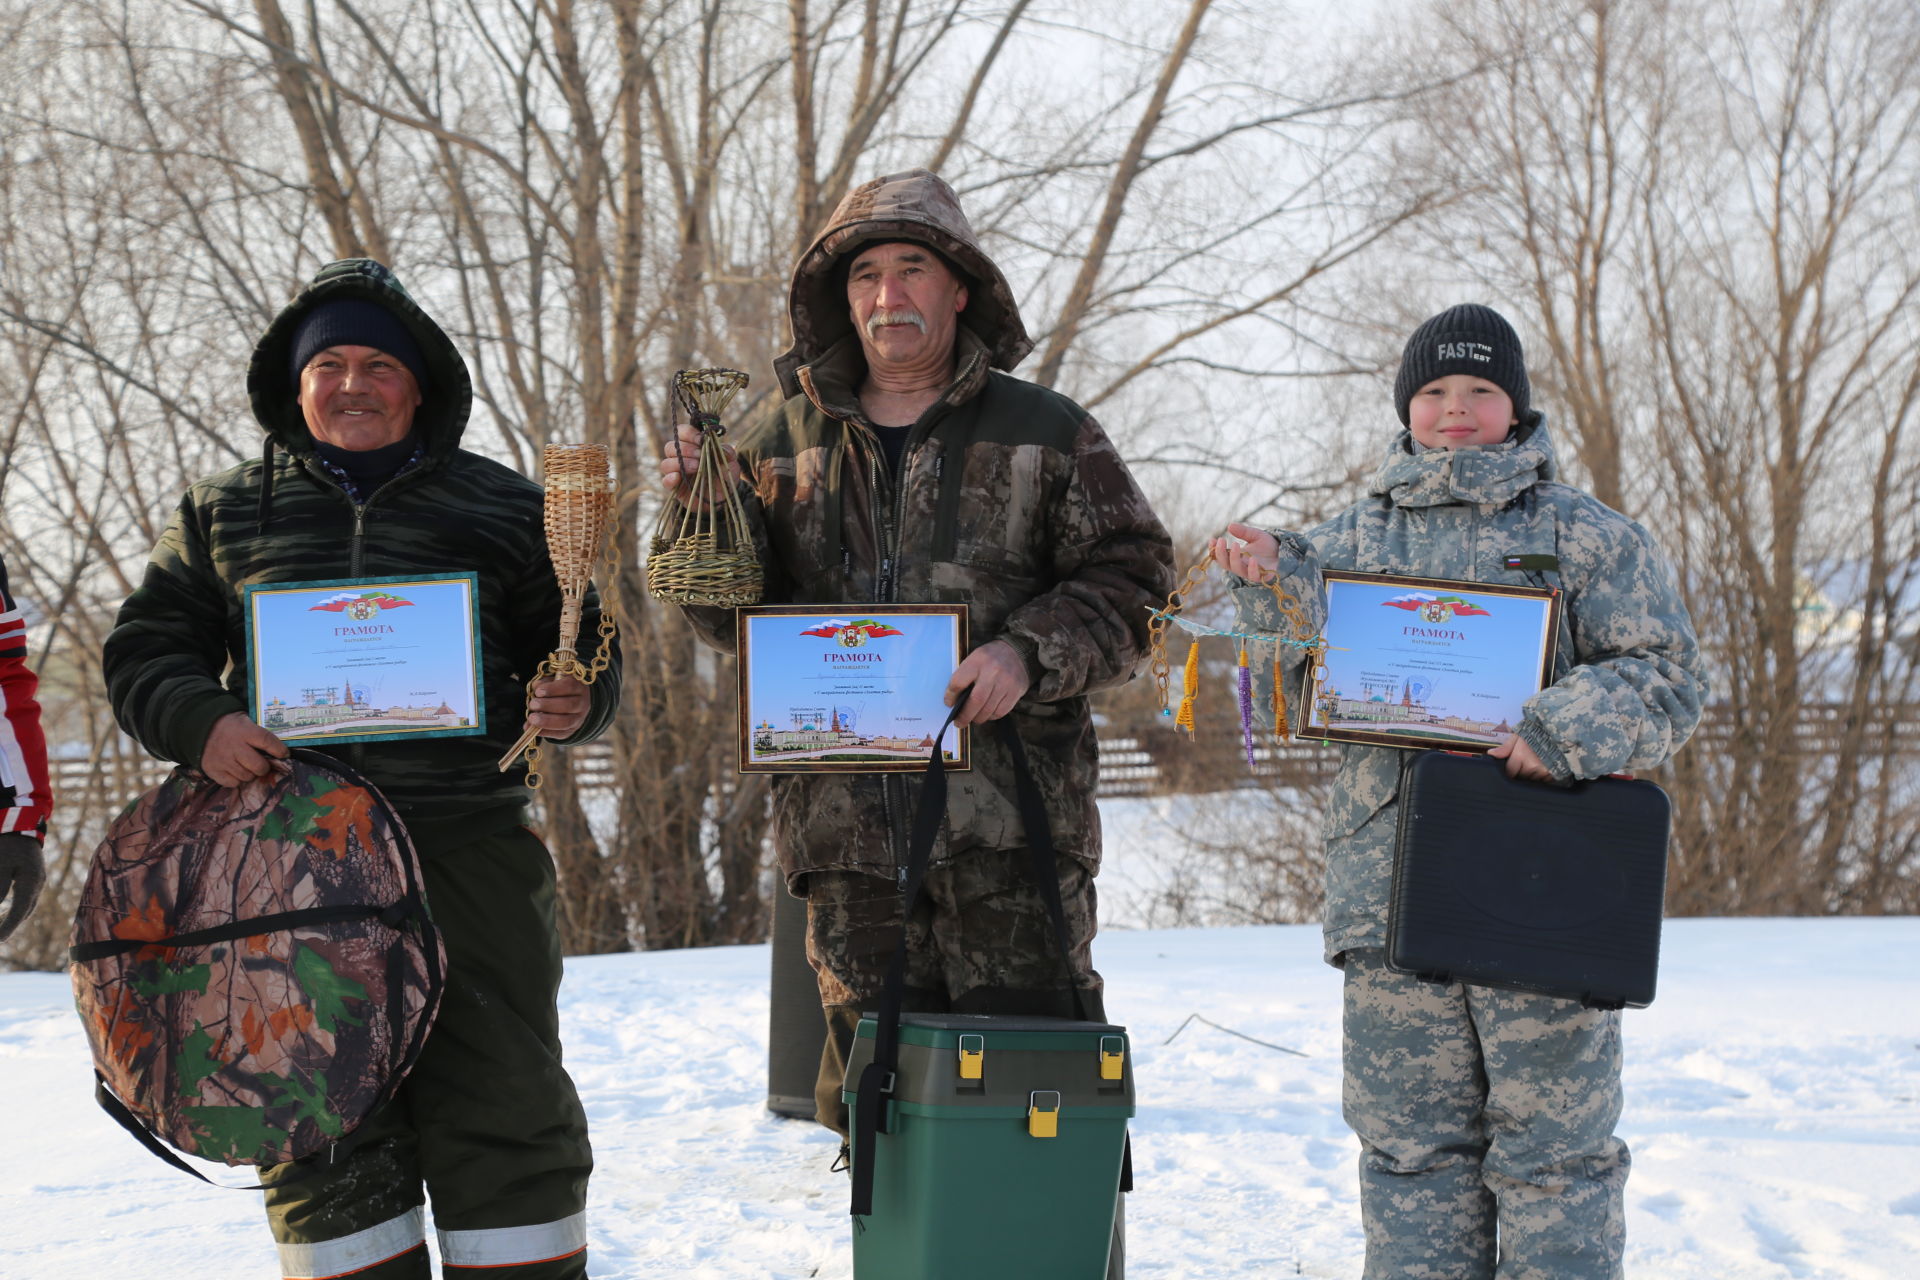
(1427, 662)
(848, 688)
(365, 659)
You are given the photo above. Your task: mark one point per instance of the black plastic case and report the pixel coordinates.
(1518, 884)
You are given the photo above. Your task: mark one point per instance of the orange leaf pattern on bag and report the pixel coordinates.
(345, 812)
(121, 1029)
(297, 1017)
(253, 1030)
(144, 925)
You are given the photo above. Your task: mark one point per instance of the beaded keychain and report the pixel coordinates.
(1290, 613)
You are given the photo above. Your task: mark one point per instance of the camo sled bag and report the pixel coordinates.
(255, 965)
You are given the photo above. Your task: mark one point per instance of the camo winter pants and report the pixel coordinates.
(980, 941)
(1485, 1120)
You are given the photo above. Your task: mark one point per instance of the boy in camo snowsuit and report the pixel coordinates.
(1485, 1116)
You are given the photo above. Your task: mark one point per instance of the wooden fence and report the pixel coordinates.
(1159, 760)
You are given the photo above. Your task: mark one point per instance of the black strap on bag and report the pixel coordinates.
(1041, 858)
(1044, 860)
(282, 921)
(877, 1077)
(303, 1168)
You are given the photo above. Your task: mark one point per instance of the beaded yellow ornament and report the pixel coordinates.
(1161, 619)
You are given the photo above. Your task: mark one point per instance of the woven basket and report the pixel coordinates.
(579, 507)
(701, 551)
(694, 570)
(577, 514)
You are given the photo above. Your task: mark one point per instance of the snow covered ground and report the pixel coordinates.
(1773, 1110)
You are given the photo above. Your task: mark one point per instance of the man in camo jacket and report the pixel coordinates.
(905, 465)
(1485, 1116)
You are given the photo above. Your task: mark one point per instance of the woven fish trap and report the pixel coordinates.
(577, 514)
(579, 509)
(701, 551)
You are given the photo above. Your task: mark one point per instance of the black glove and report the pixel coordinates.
(22, 871)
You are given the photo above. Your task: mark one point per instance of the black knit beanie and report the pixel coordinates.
(1469, 339)
(356, 322)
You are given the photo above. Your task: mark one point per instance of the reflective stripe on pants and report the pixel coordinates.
(356, 1252)
(514, 1246)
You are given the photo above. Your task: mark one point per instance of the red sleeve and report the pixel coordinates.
(25, 798)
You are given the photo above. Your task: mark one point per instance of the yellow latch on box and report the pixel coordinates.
(1043, 1113)
(973, 1057)
(1113, 1058)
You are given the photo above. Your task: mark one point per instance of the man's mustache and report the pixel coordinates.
(907, 316)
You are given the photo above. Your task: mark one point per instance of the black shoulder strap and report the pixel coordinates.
(305, 1166)
(1043, 862)
(1033, 812)
(877, 1077)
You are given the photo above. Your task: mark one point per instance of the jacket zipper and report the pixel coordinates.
(893, 797)
(356, 543)
(1473, 542)
(356, 564)
(356, 546)
(893, 789)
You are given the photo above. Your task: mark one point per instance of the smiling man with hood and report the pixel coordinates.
(907, 465)
(364, 399)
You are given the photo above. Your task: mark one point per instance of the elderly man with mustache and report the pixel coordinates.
(906, 465)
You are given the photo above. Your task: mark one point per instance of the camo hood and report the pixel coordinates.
(445, 404)
(918, 206)
(1494, 473)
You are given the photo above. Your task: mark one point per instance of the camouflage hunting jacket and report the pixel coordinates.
(284, 517)
(1628, 679)
(1012, 501)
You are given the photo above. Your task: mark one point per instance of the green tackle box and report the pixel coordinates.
(1003, 1157)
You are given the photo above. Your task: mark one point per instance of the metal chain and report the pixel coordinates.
(609, 613)
(1157, 626)
(555, 665)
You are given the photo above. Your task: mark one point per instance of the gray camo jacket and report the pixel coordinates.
(1628, 678)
